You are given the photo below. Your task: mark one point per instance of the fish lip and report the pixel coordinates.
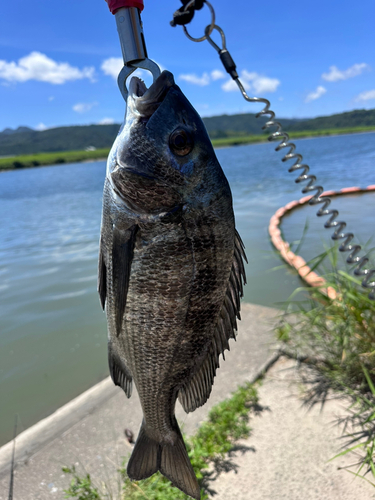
(147, 100)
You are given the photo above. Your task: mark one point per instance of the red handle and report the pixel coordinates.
(114, 5)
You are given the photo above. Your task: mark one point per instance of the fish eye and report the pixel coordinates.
(181, 142)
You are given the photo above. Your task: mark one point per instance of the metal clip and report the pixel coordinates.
(133, 46)
(130, 32)
(126, 71)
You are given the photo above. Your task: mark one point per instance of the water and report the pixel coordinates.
(52, 330)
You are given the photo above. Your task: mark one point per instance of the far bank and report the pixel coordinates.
(63, 157)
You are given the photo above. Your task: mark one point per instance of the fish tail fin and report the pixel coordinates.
(145, 458)
(172, 460)
(175, 465)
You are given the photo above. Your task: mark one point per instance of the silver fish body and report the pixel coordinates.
(170, 270)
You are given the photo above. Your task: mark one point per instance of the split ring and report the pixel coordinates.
(211, 26)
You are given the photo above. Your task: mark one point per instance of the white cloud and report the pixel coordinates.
(217, 74)
(106, 121)
(366, 96)
(335, 74)
(84, 107)
(112, 66)
(316, 94)
(51, 98)
(41, 127)
(262, 85)
(202, 81)
(254, 82)
(37, 66)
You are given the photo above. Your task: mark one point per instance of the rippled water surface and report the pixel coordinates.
(52, 330)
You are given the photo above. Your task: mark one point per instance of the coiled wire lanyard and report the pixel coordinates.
(230, 66)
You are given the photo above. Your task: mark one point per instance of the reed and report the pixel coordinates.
(336, 340)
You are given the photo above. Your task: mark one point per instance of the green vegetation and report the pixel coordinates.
(27, 141)
(27, 161)
(356, 118)
(336, 339)
(80, 487)
(75, 138)
(55, 158)
(252, 139)
(247, 124)
(227, 423)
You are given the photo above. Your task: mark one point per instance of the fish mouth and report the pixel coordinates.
(147, 100)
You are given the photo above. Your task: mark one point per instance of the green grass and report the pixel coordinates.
(40, 159)
(208, 448)
(336, 338)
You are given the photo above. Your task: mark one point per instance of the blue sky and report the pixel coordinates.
(58, 62)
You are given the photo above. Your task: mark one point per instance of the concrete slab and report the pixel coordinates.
(89, 431)
(289, 449)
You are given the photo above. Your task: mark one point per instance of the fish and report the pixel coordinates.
(171, 270)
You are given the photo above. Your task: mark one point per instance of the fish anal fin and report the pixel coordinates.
(102, 277)
(122, 256)
(120, 374)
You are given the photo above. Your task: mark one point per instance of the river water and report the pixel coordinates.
(52, 331)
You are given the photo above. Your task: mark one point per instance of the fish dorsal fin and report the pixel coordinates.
(196, 392)
(122, 256)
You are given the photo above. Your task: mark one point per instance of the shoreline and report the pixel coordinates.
(68, 157)
(45, 431)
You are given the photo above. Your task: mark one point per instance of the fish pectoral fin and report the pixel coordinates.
(120, 374)
(122, 255)
(196, 392)
(172, 460)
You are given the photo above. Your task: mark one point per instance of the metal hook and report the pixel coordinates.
(211, 26)
(126, 71)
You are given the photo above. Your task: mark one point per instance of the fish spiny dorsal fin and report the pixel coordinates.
(198, 390)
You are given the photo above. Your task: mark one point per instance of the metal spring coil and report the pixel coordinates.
(338, 234)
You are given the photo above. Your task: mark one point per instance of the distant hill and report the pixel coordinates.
(57, 139)
(241, 124)
(356, 118)
(25, 140)
(10, 131)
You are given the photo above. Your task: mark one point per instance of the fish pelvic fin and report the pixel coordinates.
(172, 460)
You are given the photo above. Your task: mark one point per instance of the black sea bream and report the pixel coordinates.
(170, 270)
